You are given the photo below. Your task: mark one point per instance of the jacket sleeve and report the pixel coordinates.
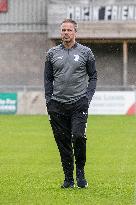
(92, 73)
(48, 79)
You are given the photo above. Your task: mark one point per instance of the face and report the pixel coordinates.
(68, 33)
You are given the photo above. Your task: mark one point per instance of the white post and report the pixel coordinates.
(125, 62)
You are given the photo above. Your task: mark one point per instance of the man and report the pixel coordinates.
(70, 82)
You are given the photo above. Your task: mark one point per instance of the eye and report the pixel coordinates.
(63, 30)
(68, 30)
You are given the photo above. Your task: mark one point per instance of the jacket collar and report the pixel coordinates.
(74, 46)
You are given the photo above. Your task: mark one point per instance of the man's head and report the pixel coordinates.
(68, 31)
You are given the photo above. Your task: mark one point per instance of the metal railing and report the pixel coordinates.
(23, 88)
(16, 88)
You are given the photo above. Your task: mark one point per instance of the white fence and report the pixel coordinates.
(108, 100)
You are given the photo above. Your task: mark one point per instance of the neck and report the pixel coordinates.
(68, 44)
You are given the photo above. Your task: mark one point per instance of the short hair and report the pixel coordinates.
(70, 21)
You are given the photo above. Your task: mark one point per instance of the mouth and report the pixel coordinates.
(66, 39)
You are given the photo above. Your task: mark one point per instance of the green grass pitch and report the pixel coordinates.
(31, 173)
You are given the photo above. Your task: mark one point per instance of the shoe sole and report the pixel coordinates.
(79, 187)
(69, 187)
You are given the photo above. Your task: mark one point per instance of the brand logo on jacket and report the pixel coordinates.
(76, 57)
(60, 57)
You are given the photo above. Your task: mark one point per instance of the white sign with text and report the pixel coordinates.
(113, 102)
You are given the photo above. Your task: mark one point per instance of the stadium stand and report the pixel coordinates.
(29, 28)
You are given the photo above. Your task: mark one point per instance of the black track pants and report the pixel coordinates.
(68, 122)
